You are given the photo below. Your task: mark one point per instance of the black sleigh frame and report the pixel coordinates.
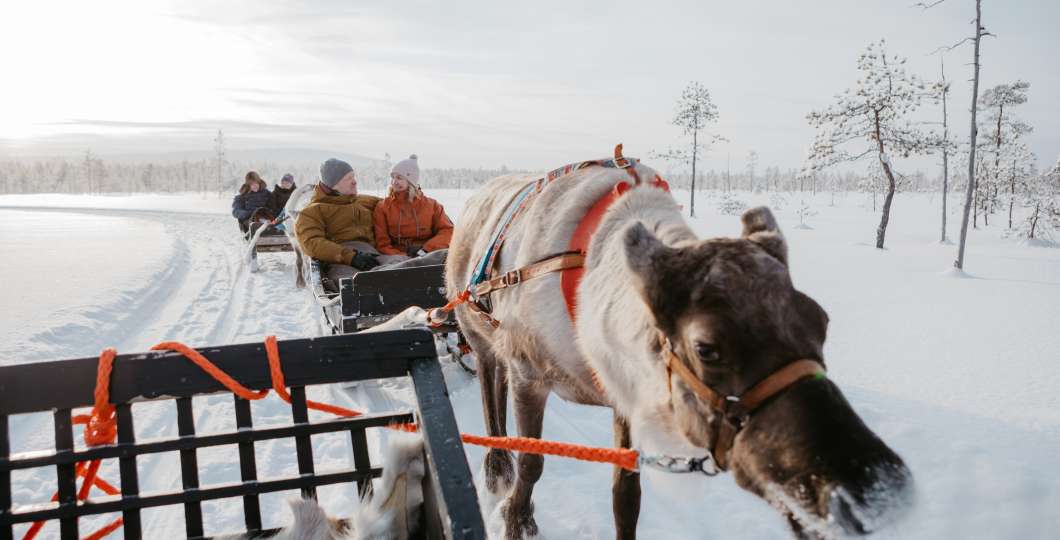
(451, 508)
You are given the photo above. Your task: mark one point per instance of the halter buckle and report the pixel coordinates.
(512, 278)
(681, 465)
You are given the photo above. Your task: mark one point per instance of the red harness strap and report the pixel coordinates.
(579, 242)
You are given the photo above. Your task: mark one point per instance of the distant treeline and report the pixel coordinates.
(97, 175)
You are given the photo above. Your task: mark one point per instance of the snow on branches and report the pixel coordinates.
(1042, 200)
(873, 118)
(1001, 137)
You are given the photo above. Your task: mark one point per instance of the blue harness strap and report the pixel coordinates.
(483, 268)
(522, 200)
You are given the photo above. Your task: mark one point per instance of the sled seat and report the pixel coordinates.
(371, 298)
(450, 507)
(272, 240)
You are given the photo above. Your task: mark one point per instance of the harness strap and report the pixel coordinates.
(556, 263)
(571, 264)
(698, 387)
(779, 380)
(483, 314)
(734, 410)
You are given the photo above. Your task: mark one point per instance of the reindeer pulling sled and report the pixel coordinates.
(588, 283)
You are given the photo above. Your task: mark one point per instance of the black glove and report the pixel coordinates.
(364, 261)
(413, 250)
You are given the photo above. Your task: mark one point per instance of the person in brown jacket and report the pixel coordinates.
(407, 222)
(336, 226)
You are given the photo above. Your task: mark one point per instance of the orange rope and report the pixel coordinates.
(101, 425)
(199, 360)
(623, 457)
(272, 350)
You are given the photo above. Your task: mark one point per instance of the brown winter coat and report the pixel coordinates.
(400, 223)
(330, 220)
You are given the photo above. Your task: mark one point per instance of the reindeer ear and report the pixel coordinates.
(651, 260)
(760, 227)
(642, 252)
(646, 256)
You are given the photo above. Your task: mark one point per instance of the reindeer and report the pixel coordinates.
(699, 347)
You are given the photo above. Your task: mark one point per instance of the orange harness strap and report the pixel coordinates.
(579, 241)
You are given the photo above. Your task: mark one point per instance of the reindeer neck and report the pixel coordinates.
(656, 209)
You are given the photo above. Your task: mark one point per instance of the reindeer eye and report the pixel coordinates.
(708, 352)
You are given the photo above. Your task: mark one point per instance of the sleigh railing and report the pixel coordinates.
(450, 508)
(371, 298)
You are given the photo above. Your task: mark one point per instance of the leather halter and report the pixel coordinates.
(735, 411)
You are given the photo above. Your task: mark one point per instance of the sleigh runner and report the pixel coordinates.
(450, 507)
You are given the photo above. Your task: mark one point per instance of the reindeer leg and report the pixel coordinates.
(493, 382)
(518, 510)
(299, 277)
(625, 488)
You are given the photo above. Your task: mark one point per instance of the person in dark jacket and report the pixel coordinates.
(253, 194)
(281, 193)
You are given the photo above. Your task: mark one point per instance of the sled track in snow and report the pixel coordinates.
(204, 295)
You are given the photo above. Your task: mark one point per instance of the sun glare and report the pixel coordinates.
(115, 61)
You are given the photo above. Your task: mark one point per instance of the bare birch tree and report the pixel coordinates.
(944, 90)
(980, 31)
(873, 118)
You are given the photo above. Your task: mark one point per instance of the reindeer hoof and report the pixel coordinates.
(500, 472)
(519, 523)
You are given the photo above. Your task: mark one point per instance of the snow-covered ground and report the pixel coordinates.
(959, 375)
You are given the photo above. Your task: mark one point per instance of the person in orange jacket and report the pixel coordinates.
(407, 222)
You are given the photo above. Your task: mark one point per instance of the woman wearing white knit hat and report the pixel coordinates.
(407, 222)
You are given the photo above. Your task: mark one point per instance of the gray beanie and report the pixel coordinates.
(332, 171)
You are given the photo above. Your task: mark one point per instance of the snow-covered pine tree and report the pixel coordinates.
(221, 162)
(752, 163)
(729, 205)
(804, 211)
(1017, 173)
(874, 119)
(695, 110)
(1042, 200)
(777, 201)
(1004, 129)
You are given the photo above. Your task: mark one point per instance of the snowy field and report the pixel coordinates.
(958, 374)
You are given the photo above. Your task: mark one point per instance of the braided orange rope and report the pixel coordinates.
(101, 424)
(623, 457)
(101, 427)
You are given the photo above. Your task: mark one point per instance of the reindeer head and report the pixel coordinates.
(728, 311)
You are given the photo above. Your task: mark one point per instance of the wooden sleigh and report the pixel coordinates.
(450, 507)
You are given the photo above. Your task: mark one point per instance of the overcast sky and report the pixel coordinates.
(480, 82)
